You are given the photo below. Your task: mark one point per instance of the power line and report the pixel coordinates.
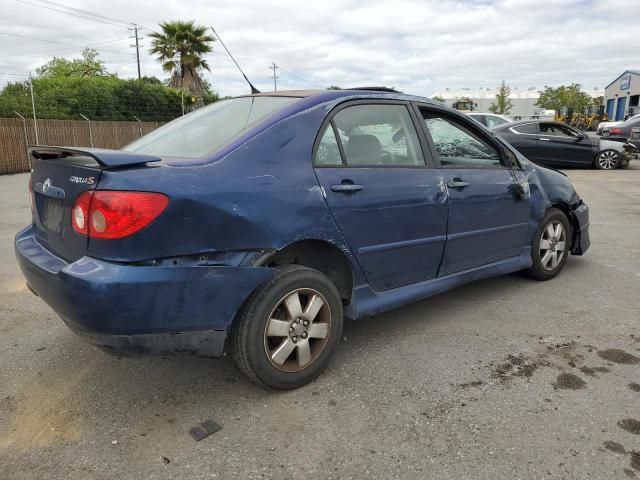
(84, 12)
(43, 28)
(46, 40)
(70, 13)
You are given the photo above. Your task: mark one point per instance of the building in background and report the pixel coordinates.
(523, 100)
(622, 96)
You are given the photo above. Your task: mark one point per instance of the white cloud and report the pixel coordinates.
(417, 46)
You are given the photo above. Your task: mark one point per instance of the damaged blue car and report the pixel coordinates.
(258, 223)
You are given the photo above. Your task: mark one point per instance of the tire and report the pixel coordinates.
(269, 336)
(545, 268)
(607, 160)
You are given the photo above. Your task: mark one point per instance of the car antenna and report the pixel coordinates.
(253, 89)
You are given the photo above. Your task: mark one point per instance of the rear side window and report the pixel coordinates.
(208, 129)
(373, 136)
(328, 152)
(458, 146)
(530, 128)
(491, 121)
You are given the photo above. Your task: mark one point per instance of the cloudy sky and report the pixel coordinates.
(420, 47)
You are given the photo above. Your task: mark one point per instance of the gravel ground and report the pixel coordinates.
(503, 378)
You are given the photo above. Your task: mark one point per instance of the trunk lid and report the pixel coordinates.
(58, 177)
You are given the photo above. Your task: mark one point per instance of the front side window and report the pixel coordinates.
(377, 135)
(208, 129)
(458, 146)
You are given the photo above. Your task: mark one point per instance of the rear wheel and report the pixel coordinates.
(607, 160)
(288, 329)
(550, 246)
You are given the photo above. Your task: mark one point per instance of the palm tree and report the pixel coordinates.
(181, 47)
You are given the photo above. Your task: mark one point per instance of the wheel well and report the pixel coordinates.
(322, 256)
(573, 221)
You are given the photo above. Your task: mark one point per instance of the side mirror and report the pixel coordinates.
(580, 137)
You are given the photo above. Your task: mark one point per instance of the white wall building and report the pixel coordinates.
(524, 101)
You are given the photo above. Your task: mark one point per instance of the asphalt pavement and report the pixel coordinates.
(505, 378)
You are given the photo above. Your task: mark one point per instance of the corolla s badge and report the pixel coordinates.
(85, 180)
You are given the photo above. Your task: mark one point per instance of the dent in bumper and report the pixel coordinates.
(135, 304)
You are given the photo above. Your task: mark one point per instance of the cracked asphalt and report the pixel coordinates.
(503, 378)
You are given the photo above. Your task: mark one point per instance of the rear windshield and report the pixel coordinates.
(208, 129)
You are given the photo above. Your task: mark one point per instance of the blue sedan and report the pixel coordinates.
(258, 223)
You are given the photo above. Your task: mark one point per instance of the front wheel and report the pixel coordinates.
(288, 329)
(550, 246)
(607, 160)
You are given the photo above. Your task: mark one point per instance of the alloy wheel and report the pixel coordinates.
(553, 244)
(608, 160)
(297, 330)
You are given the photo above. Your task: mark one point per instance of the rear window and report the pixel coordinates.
(208, 129)
(526, 128)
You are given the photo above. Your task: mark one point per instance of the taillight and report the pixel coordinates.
(615, 131)
(80, 213)
(33, 207)
(110, 214)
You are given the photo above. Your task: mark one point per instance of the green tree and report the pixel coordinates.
(503, 104)
(181, 48)
(87, 66)
(438, 98)
(334, 87)
(570, 96)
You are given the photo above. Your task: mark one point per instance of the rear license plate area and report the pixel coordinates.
(52, 213)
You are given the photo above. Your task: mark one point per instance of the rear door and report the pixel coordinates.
(390, 206)
(524, 138)
(56, 183)
(489, 209)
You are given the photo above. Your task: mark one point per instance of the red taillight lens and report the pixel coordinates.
(110, 214)
(615, 131)
(80, 213)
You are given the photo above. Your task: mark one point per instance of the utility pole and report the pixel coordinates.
(274, 67)
(136, 46)
(33, 107)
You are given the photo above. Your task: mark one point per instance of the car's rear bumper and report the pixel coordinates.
(127, 309)
(581, 240)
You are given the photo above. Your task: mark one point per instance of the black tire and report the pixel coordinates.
(542, 271)
(251, 344)
(607, 160)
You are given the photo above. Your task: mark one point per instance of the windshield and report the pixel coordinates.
(208, 129)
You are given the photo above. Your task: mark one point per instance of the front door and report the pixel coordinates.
(389, 205)
(560, 144)
(488, 211)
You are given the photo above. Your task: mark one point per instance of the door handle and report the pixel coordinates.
(457, 183)
(544, 139)
(346, 188)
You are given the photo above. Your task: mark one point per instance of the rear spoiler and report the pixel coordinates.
(105, 158)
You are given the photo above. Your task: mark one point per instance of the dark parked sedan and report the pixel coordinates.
(259, 222)
(558, 144)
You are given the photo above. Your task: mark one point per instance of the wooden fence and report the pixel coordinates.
(16, 134)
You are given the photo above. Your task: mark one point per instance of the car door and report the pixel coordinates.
(560, 145)
(524, 138)
(488, 208)
(390, 206)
